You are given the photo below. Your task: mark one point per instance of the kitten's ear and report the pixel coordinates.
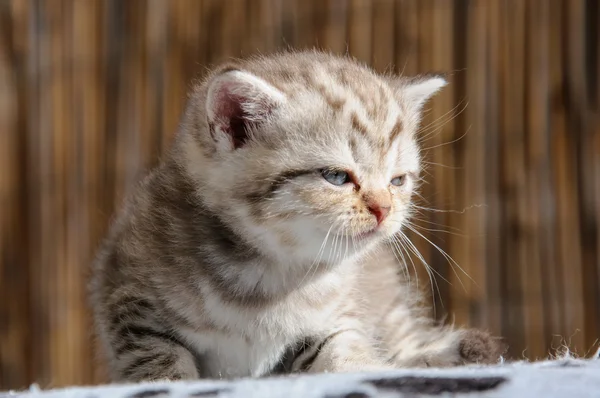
(415, 91)
(236, 102)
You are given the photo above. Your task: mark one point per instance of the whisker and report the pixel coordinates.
(435, 224)
(433, 229)
(319, 254)
(432, 281)
(421, 258)
(442, 165)
(402, 262)
(401, 246)
(427, 126)
(432, 129)
(463, 211)
(448, 258)
(449, 142)
(332, 248)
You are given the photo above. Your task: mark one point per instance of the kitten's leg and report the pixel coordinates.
(407, 331)
(142, 349)
(346, 350)
(442, 347)
(414, 341)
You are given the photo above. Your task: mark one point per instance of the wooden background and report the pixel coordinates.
(91, 92)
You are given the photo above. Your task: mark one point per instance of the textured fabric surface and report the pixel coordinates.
(558, 378)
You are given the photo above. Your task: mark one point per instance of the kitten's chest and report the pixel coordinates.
(228, 356)
(252, 341)
(257, 349)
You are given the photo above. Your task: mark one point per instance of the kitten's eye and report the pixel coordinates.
(398, 181)
(335, 177)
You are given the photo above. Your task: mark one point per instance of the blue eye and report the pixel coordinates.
(398, 181)
(335, 177)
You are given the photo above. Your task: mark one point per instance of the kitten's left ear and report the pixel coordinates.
(415, 91)
(236, 102)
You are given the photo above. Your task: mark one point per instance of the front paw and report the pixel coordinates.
(477, 346)
(452, 348)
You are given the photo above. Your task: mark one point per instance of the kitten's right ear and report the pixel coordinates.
(236, 102)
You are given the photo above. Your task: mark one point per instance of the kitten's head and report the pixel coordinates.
(309, 156)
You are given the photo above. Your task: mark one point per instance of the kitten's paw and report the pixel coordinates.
(454, 348)
(477, 346)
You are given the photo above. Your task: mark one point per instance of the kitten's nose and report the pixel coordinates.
(379, 203)
(379, 210)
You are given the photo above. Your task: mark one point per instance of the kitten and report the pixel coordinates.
(260, 243)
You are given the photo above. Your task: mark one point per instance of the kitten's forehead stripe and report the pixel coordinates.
(308, 78)
(342, 77)
(366, 101)
(394, 134)
(335, 103)
(396, 130)
(358, 125)
(353, 147)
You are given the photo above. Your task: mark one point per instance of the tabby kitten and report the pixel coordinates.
(259, 244)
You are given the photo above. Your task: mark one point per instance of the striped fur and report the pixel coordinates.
(235, 257)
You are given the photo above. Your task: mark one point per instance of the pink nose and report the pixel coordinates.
(380, 212)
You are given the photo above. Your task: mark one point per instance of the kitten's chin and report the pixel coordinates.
(363, 241)
(367, 235)
(376, 233)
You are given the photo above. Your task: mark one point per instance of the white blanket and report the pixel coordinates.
(561, 378)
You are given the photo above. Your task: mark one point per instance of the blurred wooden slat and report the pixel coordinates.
(34, 72)
(558, 134)
(85, 182)
(581, 39)
(47, 224)
(54, 229)
(382, 57)
(535, 205)
(335, 30)
(575, 103)
(360, 29)
(405, 31)
(14, 273)
(514, 177)
(191, 31)
(91, 93)
(469, 77)
(482, 82)
(156, 44)
(541, 280)
(91, 126)
(596, 147)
